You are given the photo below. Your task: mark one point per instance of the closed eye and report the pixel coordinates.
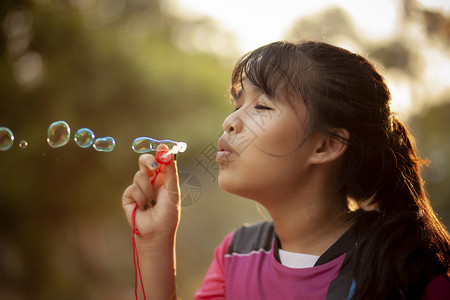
(263, 107)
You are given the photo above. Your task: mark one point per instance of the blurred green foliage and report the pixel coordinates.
(111, 66)
(433, 140)
(116, 67)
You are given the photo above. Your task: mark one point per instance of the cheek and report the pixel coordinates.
(280, 134)
(239, 176)
(280, 140)
(255, 175)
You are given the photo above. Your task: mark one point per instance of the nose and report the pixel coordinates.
(233, 123)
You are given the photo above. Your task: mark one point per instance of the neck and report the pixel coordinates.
(309, 221)
(308, 211)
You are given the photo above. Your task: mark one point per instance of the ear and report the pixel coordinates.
(329, 148)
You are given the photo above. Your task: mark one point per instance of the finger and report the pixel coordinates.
(131, 196)
(144, 183)
(171, 177)
(139, 196)
(170, 172)
(148, 164)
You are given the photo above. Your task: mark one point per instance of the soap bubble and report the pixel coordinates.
(104, 144)
(6, 139)
(23, 144)
(146, 144)
(84, 137)
(58, 134)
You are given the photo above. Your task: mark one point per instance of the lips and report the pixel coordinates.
(224, 151)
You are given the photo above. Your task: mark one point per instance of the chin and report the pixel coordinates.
(230, 184)
(234, 185)
(223, 181)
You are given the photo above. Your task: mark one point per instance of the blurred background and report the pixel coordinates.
(130, 68)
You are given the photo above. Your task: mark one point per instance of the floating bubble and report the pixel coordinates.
(84, 137)
(58, 134)
(146, 144)
(143, 145)
(104, 144)
(6, 139)
(23, 144)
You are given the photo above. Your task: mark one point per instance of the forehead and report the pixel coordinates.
(249, 92)
(246, 89)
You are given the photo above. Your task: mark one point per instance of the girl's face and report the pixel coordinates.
(259, 154)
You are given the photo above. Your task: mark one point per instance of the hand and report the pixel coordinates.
(154, 196)
(158, 210)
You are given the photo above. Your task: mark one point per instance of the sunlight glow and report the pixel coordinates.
(258, 22)
(441, 5)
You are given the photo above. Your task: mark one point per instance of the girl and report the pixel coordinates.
(313, 140)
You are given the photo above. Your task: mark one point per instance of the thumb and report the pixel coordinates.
(171, 181)
(170, 170)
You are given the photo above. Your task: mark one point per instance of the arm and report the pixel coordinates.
(157, 263)
(156, 220)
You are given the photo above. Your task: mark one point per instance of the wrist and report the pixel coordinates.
(161, 243)
(157, 263)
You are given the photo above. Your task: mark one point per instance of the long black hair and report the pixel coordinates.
(402, 243)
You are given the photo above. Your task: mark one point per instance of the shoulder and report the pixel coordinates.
(252, 237)
(437, 289)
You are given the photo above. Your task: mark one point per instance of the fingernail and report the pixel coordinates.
(154, 164)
